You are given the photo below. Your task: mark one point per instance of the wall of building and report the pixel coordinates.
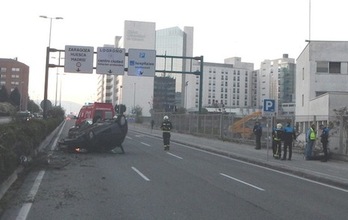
(14, 74)
(136, 90)
(309, 82)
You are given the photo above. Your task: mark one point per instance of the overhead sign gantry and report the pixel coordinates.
(141, 62)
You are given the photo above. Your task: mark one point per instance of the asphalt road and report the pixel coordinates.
(185, 183)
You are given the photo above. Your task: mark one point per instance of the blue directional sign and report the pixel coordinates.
(269, 105)
(141, 62)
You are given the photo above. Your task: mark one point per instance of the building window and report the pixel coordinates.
(334, 67)
(322, 67)
(328, 67)
(15, 69)
(302, 100)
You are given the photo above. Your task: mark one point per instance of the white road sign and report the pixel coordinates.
(110, 60)
(78, 59)
(141, 62)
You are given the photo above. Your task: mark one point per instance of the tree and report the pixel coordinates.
(33, 107)
(138, 112)
(15, 98)
(3, 94)
(56, 112)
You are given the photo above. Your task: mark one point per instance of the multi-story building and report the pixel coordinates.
(255, 90)
(321, 73)
(139, 91)
(164, 94)
(14, 74)
(227, 86)
(176, 42)
(277, 79)
(321, 89)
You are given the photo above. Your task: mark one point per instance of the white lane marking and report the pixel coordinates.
(139, 135)
(23, 213)
(266, 168)
(129, 138)
(142, 175)
(248, 184)
(145, 144)
(175, 155)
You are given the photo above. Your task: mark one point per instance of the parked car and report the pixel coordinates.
(24, 116)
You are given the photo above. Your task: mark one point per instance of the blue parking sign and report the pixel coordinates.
(269, 105)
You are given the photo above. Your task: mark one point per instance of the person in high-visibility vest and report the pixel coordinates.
(311, 136)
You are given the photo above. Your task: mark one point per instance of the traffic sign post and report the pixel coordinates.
(269, 107)
(110, 60)
(78, 59)
(141, 62)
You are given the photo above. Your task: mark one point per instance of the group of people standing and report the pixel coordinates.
(286, 135)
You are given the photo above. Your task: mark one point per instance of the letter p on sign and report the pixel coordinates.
(268, 105)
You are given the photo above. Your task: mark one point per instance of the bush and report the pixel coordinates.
(22, 138)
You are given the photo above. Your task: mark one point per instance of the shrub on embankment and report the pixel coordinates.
(22, 138)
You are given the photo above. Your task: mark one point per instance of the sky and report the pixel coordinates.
(251, 29)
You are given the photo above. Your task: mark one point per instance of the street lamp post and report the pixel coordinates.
(51, 18)
(47, 62)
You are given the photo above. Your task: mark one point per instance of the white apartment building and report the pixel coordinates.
(321, 68)
(227, 86)
(277, 79)
(322, 87)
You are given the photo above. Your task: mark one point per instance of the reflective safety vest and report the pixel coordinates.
(312, 135)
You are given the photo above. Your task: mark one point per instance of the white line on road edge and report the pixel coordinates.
(23, 213)
(145, 144)
(175, 155)
(129, 138)
(248, 184)
(142, 175)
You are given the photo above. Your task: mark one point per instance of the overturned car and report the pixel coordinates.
(96, 135)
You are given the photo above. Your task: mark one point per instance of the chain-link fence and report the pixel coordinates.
(237, 128)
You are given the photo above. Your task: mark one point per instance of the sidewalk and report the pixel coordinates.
(333, 172)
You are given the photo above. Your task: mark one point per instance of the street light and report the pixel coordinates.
(51, 18)
(55, 100)
(47, 62)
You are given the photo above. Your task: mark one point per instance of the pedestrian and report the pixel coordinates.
(258, 133)
(324, 139)
(152, 123)
(166, 127)
(289, 136)
(277, 137)
(311, 136)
